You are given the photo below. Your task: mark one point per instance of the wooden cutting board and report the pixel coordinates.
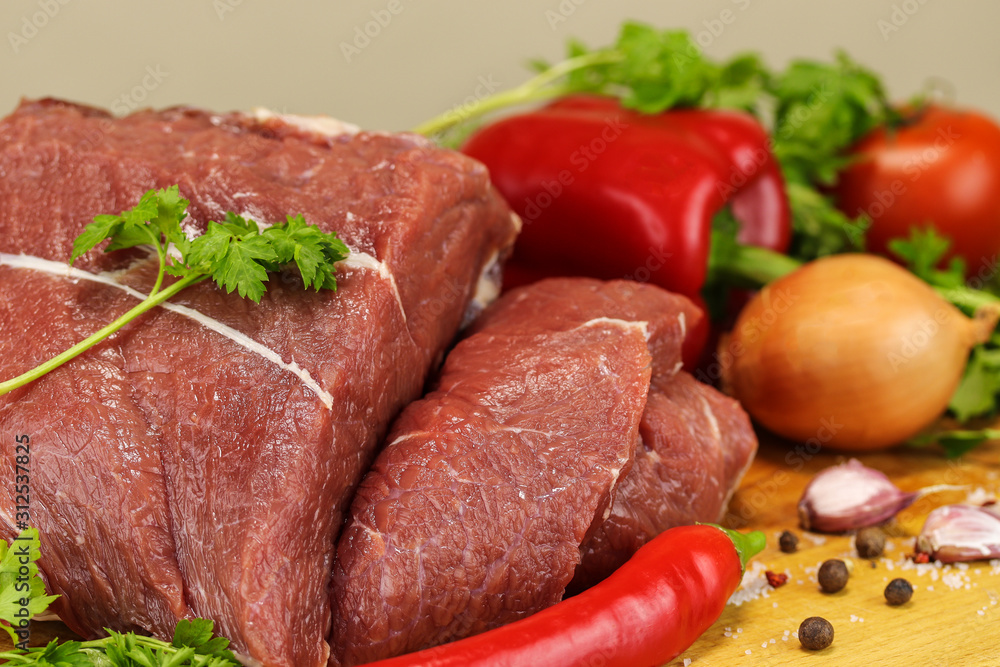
(953, 618)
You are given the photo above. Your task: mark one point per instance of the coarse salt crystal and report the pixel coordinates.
(687, 661)
(817, 539)
(764, 645)
(978, 496)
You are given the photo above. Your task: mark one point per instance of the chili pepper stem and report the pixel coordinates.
(747, 545)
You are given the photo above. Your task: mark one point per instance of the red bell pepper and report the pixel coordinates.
(609, 192)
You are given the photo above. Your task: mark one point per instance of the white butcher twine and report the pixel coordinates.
(363, 261)
(66, 271)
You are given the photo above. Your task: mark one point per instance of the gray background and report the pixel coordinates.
(431, 56)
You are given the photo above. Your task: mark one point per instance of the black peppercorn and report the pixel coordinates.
(815, 633)
(899, 591)
(832, 575)
(788, 542)
(870, 542)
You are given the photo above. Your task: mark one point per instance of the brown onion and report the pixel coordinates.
(851, 351)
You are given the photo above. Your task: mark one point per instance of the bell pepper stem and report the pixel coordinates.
(758, 266)
(747, 545)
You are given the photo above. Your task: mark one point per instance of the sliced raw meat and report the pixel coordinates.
(473, 515)
(565, 303)
(696, 445)
(198, 462)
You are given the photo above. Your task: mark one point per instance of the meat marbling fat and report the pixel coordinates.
(198, 462)
(437, 544)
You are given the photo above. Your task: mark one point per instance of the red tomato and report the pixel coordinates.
(940, 168)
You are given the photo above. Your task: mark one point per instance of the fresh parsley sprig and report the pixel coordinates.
(650, 70)
(23, 596)
(978, 393)
(235, 253)
(22, 592)
(193, 646)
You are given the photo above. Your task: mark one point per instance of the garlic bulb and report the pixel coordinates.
(850, 496)
(960, 533)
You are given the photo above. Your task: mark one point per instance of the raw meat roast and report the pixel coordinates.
(198, 463)
(209, 459)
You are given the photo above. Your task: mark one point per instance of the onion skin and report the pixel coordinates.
(850, 351)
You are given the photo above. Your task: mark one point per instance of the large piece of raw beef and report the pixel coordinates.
(198, 463)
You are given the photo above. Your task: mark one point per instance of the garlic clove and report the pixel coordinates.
(961, 533)
(850, 496)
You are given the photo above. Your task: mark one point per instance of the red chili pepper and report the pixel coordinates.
(644, 615)
(609, 192)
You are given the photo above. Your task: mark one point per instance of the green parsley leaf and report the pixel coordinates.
(976, 395)
(957, 442)
(923, 251)
(102, 228)
(820, 110)
(312, 251)
(192, 632)
(22, 596)
(232, 253)
(819, 228)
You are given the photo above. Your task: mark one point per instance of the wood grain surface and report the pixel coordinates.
(953, 618)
